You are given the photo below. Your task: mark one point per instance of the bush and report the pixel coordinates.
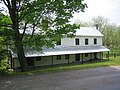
(3, 62)
(3, 65)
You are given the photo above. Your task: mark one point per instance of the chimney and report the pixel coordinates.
(97, 26)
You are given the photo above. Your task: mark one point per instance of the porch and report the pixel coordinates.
(61, 55)
(58, 60)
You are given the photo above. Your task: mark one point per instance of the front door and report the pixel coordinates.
(30, 62)
(77, 57)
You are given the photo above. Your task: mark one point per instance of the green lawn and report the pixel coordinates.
(112, 62)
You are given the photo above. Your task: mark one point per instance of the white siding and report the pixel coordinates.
(67, 41)
(99, 40)
(71, 41)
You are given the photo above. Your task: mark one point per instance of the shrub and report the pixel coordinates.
(3, 62)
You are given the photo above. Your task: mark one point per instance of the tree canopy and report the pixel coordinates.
(49, 17)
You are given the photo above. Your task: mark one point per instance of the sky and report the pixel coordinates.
(107, 8)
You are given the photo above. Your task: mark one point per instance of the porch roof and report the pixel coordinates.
(61, 50)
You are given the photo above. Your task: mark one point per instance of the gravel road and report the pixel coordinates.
(104, 78)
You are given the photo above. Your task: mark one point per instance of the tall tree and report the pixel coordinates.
(100, 21)
(82, 23)
(50, 17)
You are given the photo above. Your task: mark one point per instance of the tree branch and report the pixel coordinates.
(24, 30)
(4, 25)
(5, 3)
(23, 14)
(9, 6)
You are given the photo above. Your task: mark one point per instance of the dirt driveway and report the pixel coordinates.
(105, 78)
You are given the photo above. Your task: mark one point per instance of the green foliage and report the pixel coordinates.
(3, 65)
(3, 60)
(5, 25)
(49, 18)
(3, 38)
(6, 32)
(3, 55)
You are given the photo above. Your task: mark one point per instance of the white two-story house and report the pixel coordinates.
(85, 46)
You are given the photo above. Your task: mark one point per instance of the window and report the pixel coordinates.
(77, 41)
(38, 58)
(67, 56)
(58, 57)
(86, 41)
(95, 40)
(59, 42)
(86, 55)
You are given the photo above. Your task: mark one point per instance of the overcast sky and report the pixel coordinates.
(106, 8)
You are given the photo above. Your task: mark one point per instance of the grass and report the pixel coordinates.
(112, 62)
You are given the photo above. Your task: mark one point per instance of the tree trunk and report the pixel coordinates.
(20, 53)
(18, 40)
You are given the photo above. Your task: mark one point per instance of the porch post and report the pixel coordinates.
(108, 55)
(52, 61)
(90, 57)
(101, 56)
(34, 62)
(68, 61)
(82, 57)
(13, 65)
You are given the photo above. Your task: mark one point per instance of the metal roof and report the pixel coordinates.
(83, 31)
(61, 50)
(88, 31)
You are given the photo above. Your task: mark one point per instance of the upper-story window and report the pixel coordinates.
(59, 42)
(77, 41)
(95, 40)
(86, 41)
